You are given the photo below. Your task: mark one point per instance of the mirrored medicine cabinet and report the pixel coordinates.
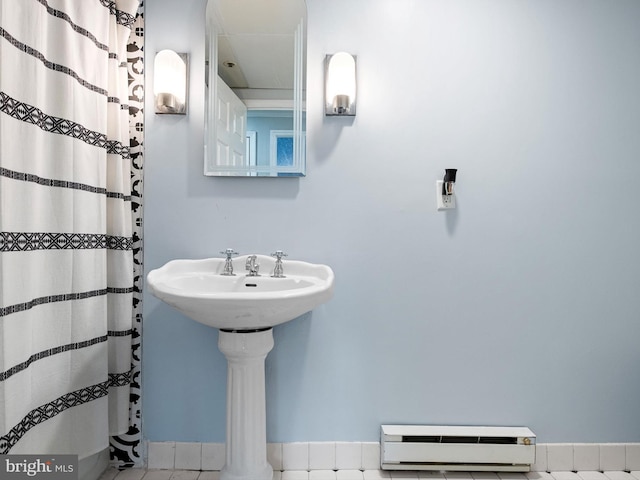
(255, 83)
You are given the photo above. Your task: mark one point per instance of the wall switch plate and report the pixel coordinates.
(444, 202)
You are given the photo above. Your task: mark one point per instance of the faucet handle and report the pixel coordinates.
(229, 252)
(278, 270)
(279, 254)
(228, 264)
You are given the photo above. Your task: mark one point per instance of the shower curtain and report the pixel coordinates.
(66, 259)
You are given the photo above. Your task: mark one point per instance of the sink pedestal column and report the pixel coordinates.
(246, 447)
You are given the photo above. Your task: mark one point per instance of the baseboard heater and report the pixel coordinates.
(458, 448)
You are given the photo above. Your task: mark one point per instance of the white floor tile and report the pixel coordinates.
(565, 476)
(111, 473)
(372, 474)
(209, 476)
(376, 474)
(349, 475)
(403, 474)
(485, 476)
(131, 474)
(512, 476)
(295, 475)
(430, 475)
(458, 475)
(322, 475)
(619, 475)
(185, 475)
(157, 475)
(591, 475)
(538, 476)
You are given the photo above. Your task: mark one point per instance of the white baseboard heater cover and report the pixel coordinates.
(430, 447)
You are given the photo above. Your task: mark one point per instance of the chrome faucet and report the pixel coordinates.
(278, 270)
(228, 264)
(252, 266)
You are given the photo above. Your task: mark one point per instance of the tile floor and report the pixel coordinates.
(141, 474)
(365, 456)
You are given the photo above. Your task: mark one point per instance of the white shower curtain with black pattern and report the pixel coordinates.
(66, 268)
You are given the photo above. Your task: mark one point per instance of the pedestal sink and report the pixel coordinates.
(244, 308)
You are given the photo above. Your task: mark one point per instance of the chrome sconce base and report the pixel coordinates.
(341, 105)
(169, 103)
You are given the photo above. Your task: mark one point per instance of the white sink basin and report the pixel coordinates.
(198, 290)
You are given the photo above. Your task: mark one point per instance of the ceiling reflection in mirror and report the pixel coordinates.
(255, 88)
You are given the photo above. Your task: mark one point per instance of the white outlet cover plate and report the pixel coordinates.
(444, 202)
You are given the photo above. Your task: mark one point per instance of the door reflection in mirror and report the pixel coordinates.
(259, 63)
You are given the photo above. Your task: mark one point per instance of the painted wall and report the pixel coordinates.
(262, 123)
(520, 307)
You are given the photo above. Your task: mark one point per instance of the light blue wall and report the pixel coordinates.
(262, 124)
(521, 307)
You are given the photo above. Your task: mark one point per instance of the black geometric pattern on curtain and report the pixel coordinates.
(50, 410)
(125, 450)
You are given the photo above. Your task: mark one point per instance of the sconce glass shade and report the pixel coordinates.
(340, 84)
(170, 82)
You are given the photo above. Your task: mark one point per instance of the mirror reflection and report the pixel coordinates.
(255, 88)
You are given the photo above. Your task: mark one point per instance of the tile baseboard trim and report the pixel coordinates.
(312, 456)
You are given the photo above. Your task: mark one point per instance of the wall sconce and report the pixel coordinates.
(170, 82)
(445, 196)
(340, 84)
